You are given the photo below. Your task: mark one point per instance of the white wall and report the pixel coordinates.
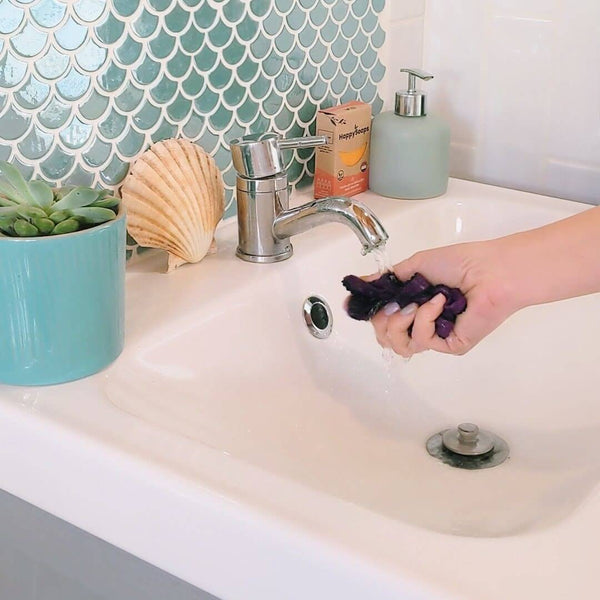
(519, 82)
(404, 21)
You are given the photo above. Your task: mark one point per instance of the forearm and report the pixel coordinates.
(557, 261)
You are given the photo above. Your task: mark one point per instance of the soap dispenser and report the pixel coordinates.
(409, 148)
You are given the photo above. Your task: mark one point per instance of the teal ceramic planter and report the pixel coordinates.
(62, 304)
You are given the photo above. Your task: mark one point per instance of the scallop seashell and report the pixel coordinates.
(174, 197)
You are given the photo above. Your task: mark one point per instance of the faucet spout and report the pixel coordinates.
(359, 217)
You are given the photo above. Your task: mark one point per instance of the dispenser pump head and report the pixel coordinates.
(411, 102)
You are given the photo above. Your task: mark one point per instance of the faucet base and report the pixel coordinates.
(273, 258)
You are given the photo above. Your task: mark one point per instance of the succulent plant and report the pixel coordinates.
(30, 209)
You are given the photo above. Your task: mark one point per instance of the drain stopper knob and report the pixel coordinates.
(468, 440)
(468, 433)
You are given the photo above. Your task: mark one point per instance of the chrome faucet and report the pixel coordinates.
(265, 221)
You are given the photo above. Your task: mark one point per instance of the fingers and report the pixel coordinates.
(392, 325)
(423, 336)
(397, 330)
(380, 325)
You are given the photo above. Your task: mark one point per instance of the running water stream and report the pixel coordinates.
(384, 264)
(382, 259)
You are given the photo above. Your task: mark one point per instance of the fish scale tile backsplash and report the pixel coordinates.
(87, 85)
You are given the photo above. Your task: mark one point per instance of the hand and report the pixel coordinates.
(480, 270)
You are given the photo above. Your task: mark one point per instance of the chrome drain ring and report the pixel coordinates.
(318, 317)
(466, 447)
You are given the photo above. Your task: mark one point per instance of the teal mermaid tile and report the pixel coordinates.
(176, 19)
(48, 13)
(12, 71)
(36, 144)
(29, 42)
(146, 117)
(53, 64)
(192, 40)
(233, 11)
(76, 134)
(14, 124)
(192, 84)
(128, 52)
(179, 109)
(124, 8)
(73, 86)
(179, 65)
(132, 144)
(220, 35)
(98, 155)
(259, 8)
(163, 45)
(247, 29)
(33, 94)
(129, 98)
(11, 17)
(94, 106)
(71, 35)
(54, 115)
(145, 24)
(57, 166)
(89, 11)
(205, 16)
(91, 57)
(109, 30)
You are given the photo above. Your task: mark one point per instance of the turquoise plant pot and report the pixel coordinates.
(62, 304)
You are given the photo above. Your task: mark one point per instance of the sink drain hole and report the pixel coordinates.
(468, 447)
(318, 316)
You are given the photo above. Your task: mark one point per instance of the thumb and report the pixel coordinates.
(407, 268)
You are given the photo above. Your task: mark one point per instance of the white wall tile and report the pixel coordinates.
(403, 48)
(573, 180)
(519, 82)
(453, 33)
(526, 9)
(407, 50)
(406, 9)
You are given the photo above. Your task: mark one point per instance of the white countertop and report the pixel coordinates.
(195, 512)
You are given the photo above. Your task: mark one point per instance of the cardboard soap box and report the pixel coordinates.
(342, 166)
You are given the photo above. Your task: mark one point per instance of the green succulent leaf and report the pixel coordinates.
(77, 198)
(61, 192)
(59, 216)
(13, 186)
(67, 226)
(6, 223)
(6, 202)
(25, 228)
(30, 212)
(108, 202)
(44, 225)
(93, 215)
(8, 211)
(42, 193)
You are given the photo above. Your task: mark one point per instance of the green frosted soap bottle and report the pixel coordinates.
(409, 148)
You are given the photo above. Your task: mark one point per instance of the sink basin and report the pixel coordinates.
(243, 376)
(231, 448)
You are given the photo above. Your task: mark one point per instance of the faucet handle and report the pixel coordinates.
(258, 155)
(310, 141)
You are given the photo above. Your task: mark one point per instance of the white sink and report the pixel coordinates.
(222, 385)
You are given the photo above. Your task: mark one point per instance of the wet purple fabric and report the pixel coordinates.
(368, 297)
